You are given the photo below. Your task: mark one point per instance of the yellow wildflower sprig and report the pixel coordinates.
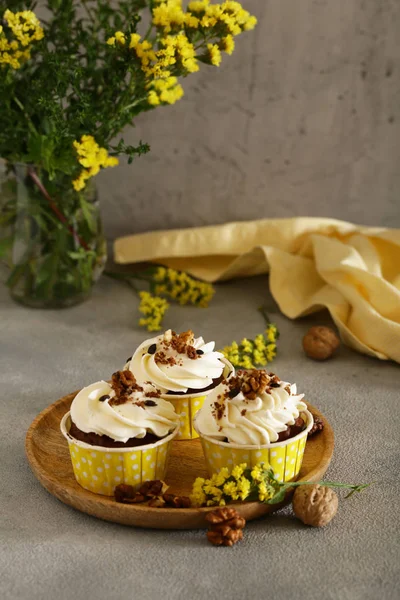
(179, 286)
(164, 283)
(25, 29)
(153, 308)
(249, 354)
(93, 158)
(252, 484)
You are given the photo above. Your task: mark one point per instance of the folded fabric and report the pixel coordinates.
(351, 270)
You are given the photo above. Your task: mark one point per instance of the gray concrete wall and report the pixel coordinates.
(303, 119)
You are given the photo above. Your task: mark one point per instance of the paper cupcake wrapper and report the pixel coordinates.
(99, 469)
(285, 458)
(188, 405)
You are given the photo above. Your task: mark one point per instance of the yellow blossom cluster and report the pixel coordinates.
(153, 309)
(242, 483)
(181, 287)
(25, 28)
(170, 16)
(92, 158)
(251, 353)
(173, 53)
(229, 15)
(165, 91)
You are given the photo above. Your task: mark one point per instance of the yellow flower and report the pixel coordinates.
(167, 91)
(215, 54)
(198, 497)
(154, 309)
(92, 157)
(220, 478)
(237, 472)
(111, 41)
(168, 16)
(250, 24)
(230, 489)
(264, 492)
(243, 488)
(120, 38)
(227, 44)
(257, 473)
(26, 28)
(179, 285)
(198, 5)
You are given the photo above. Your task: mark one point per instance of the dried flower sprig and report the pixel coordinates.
(179, 286)
(260, 351)
(165, 283)
(153, 308)
(251, 484)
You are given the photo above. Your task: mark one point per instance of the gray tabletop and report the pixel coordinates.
(52, 551)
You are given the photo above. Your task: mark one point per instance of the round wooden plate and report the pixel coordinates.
(48, 455)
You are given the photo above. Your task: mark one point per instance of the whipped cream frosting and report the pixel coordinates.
(177, 363)
(137, 415)
(230, 414)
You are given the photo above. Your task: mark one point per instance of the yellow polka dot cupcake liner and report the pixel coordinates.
(285, 458)
(188, 405)
(99, 469)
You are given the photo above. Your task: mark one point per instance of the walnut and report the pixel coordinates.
(226, 527)
(176, 501)
(320, 342)
(156, 502)
(152, 489)
(318, 426)
(126, 494)
(315, 505)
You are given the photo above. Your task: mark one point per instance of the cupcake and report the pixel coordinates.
(119, 433)
(255, 417)
(184, 368)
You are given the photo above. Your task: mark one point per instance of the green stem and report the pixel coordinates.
(22, 107)
(264, 314)
(122, 277)
(331, 484)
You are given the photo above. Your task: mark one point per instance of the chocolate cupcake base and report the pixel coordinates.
(94, 439)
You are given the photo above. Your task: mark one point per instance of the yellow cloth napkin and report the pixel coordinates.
(351, 270)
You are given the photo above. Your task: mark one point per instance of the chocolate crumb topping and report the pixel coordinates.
(163, 359)
(123, 383)
(155, 394)
(243, 412)
(191, 352)
(219, 410)
(182, 343)
(152, 349)
(288, 389)
(233, 393)
(140, 403)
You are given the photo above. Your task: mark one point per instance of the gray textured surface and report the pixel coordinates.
(49, 550)
(303, 119)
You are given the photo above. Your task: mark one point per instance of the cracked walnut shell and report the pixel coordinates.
(320, 342)
(315, 505)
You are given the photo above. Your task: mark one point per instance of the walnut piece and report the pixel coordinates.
(126, 494)
(317, 426)
(320, 342)
(226, 526)
(315, 505)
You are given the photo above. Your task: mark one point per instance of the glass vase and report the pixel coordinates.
(51, 237)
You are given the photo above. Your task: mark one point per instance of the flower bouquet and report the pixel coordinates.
(70, 82)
